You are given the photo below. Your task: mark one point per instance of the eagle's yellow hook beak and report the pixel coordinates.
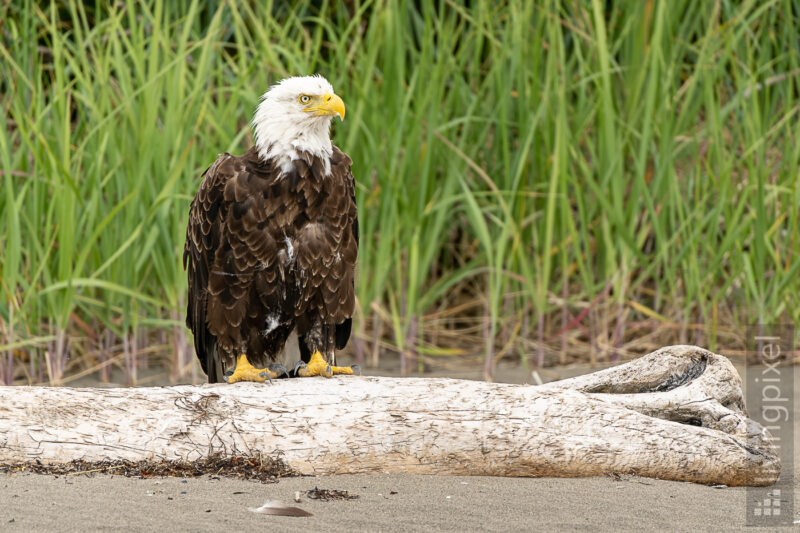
(330, 104)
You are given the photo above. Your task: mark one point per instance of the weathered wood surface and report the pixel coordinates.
(675, 414)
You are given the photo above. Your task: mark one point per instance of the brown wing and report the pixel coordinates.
(202, 239)
(230, 258)
(327, 251)
(344, 162)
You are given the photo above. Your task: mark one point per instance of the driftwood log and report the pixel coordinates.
(676, 413)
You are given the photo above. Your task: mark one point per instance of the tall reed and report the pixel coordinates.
(545, 180)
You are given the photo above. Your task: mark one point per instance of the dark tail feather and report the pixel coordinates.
(213, 364)
(305, 351)
(343, 333)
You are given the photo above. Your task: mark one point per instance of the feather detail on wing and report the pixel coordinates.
(327, 250)
(202, 239)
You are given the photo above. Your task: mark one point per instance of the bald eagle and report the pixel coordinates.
(272, 243)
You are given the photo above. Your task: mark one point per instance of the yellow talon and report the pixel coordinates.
(317, 366)
(244, 371)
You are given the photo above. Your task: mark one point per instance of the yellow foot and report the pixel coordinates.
(317, 366)
(244, 371)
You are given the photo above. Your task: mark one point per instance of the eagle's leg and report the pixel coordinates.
(317, 366)
(244, 371)
(316, 341)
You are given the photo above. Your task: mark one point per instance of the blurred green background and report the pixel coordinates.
(545, 182)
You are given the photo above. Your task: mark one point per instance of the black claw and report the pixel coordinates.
(329, 372)
(298, 365)
(279, 369)
(356, 368)
(265, 375)
(228, 374)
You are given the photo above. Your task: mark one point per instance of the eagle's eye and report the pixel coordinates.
(304, 98)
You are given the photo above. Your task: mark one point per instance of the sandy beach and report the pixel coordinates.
(385, 503)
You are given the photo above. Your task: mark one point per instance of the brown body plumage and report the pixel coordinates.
(270, 248)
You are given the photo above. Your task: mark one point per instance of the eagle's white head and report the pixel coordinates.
(295, 115)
